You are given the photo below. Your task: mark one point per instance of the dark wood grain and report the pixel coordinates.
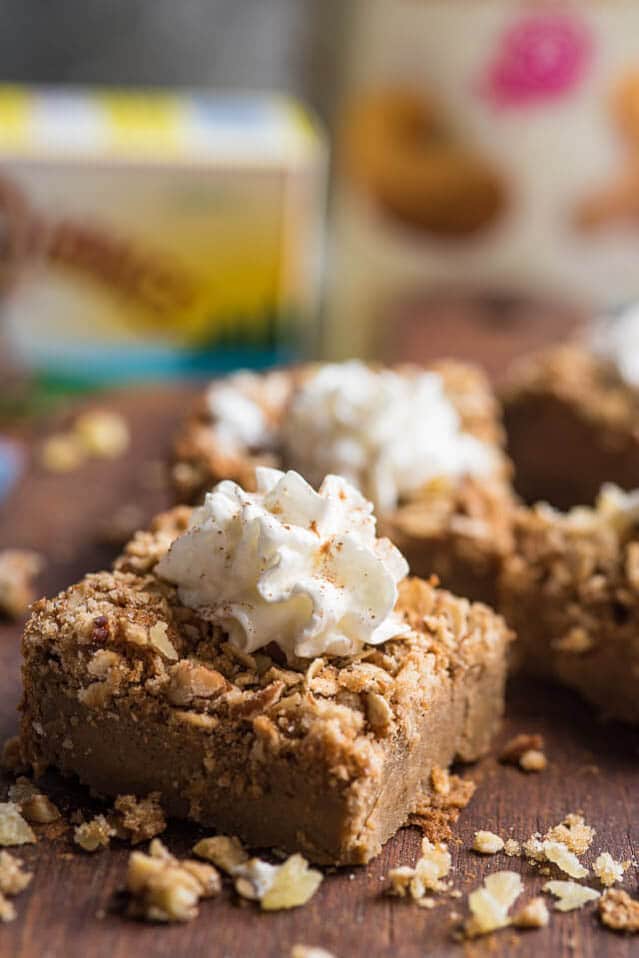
(73, 908)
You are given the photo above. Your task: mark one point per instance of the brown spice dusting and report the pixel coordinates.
(619, 911)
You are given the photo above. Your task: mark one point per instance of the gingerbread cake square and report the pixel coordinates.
(132, 691)
(571, 591)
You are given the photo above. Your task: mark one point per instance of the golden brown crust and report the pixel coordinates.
(93, 668)
(570, 590)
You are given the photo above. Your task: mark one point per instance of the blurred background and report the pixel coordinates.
(190, 187)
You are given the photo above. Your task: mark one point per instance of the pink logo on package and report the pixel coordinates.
(539, 58)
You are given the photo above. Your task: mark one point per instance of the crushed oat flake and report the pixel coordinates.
(617, 910)
(563, 858)
(433, 866)
(570, 895)
(165, 889)
(607, 870)
(160, 641)
(487, 843)
(490, 903)
(14, 830)
(533, 915)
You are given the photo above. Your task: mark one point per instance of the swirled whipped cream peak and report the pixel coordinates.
(289, 565)
(389, 433)
(615, 337)
(243, 407)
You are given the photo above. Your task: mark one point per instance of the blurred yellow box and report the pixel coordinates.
(147, 234)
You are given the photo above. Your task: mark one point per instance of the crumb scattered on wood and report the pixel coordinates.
(487, 843)
(570, 895)
(619, 911)
(14, 830)
(441, 808)
(430, 869)
(165, 889)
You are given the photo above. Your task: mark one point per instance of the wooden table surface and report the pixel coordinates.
(73, 908)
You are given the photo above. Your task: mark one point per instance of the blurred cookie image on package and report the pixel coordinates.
(147, 234)
(480, 145)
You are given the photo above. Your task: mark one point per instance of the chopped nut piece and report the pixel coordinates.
(512, 848)
(619, 911)
(563, 858)
(94, 834)
(607, 870)
(533, 915)
(308, 951)
(62, 452)
(142, 818)
(13, 878)
(13, 828)
(487, 843)
(7, 910)
(227, 853)
(518, 745)
(102, 433)
(160, 641)
(533, 761)
(18, 569)
(489, 904)
(573, 833)
(570, 895)
(165, 889)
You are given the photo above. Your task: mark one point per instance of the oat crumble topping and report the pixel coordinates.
(140, 818)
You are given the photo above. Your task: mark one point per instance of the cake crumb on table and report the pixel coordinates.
(433, 866)
(512, 847)
(619, 911)
(94, 834)
(573, 833)
(570, 895)
(140, 818)
(165, 889)
(487, 843)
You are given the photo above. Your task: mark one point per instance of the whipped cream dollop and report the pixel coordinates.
(615, 337)
(244, 407)
(290, 565)
(386, 432)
